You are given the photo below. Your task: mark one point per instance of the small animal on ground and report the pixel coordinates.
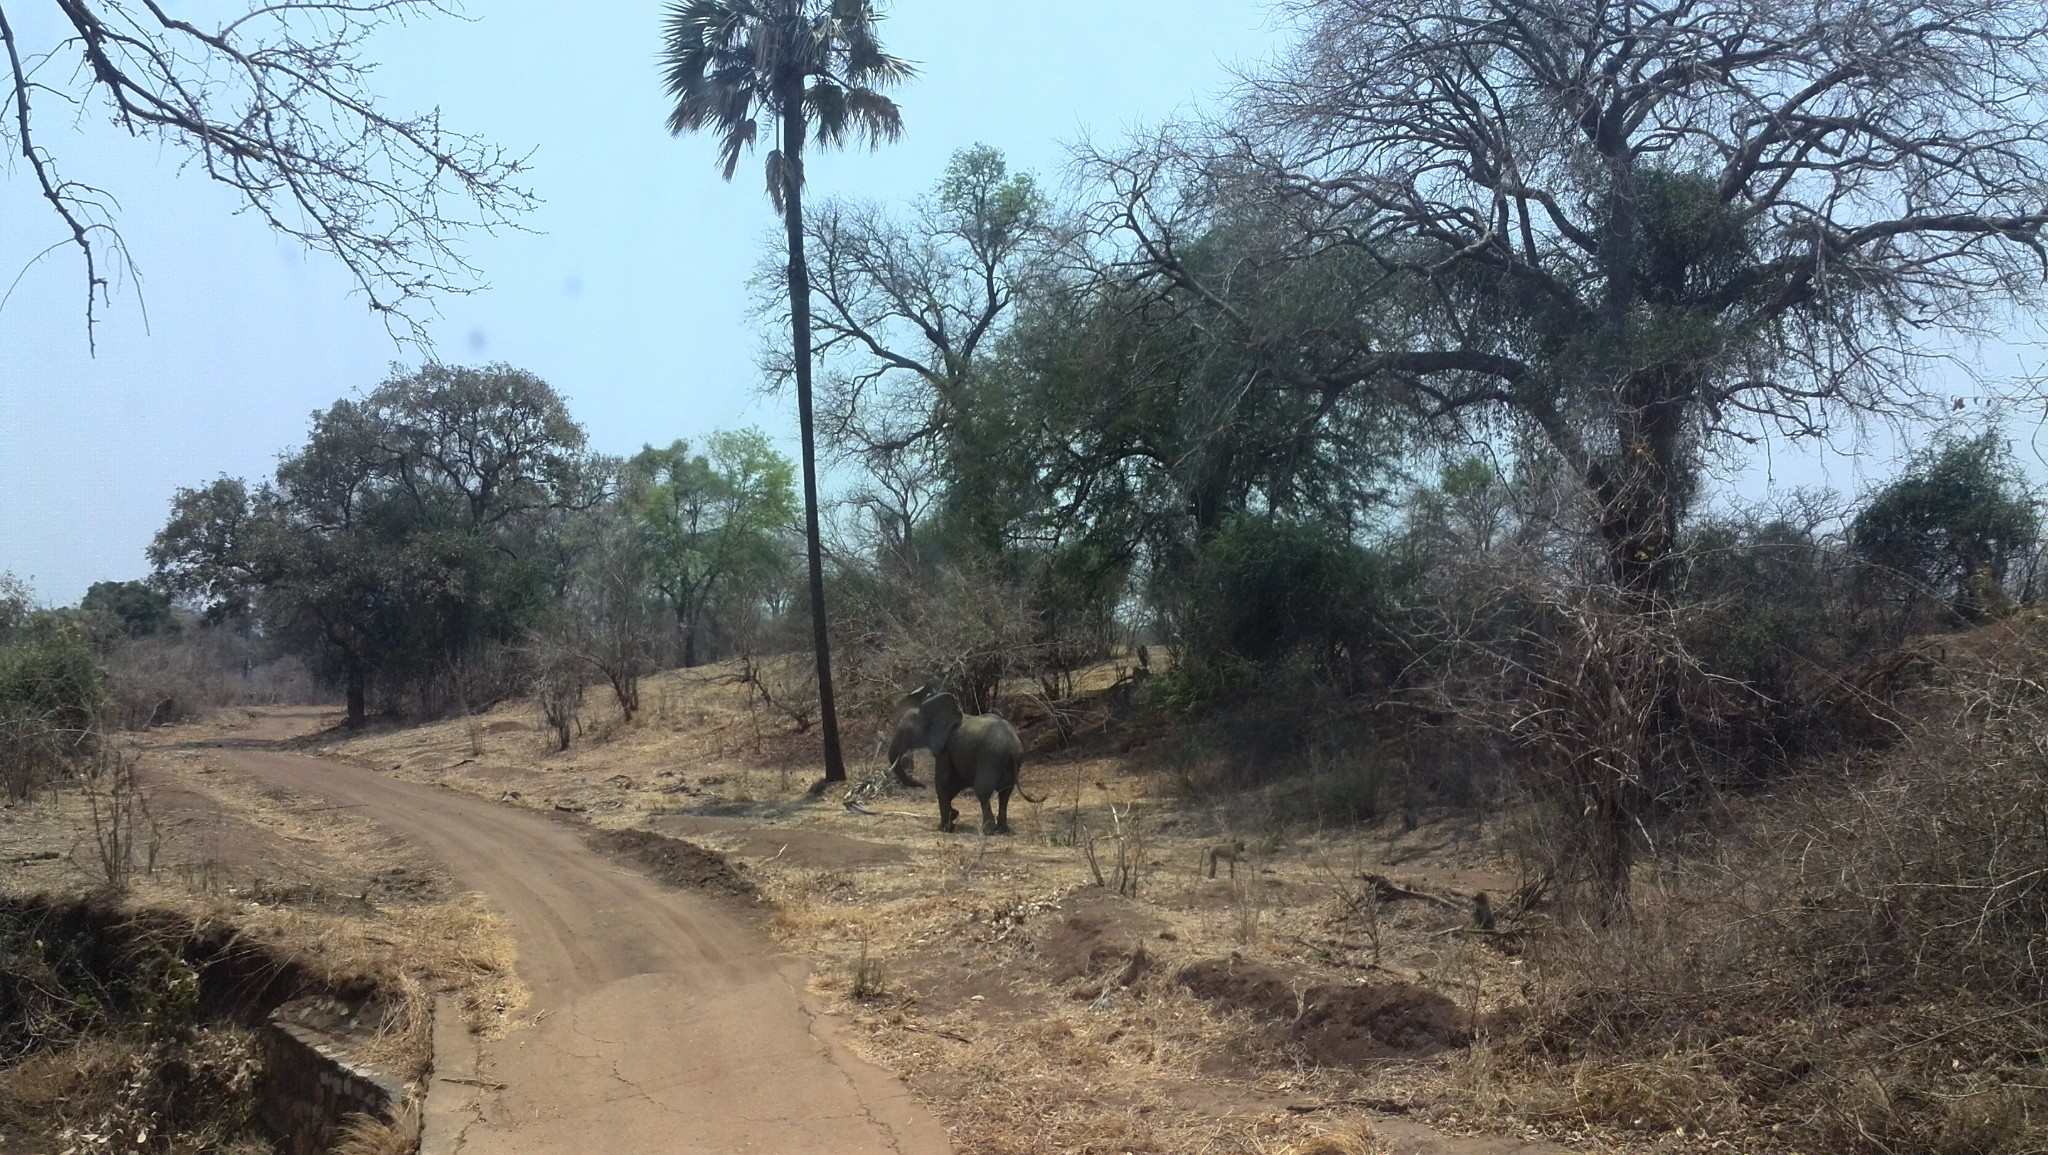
(1228, 852)
(1482, 911)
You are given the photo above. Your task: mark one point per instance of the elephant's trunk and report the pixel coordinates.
(901, 745)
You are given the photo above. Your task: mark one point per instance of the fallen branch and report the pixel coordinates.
(942, 1033)
(1388, 890)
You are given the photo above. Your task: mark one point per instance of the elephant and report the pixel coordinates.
(979, 752)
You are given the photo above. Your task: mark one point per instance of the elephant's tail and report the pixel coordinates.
(1039, 801)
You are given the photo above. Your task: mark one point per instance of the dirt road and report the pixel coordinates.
(658, 1022)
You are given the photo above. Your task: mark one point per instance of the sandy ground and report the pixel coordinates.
(1028, 1009)
(982, 991)
(657, 1022)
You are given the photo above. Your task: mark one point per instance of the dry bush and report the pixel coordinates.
(192, 1095)
(784, 685)
(171, 678)
(1859, 968)
(1122, 849)
(122, 826)
(970, 629)
(558, 686)
(954, 626)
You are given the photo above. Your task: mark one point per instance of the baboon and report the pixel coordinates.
(1222, 852)
(1482, 911)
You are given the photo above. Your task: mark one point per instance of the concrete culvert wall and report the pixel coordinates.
(312, 1085)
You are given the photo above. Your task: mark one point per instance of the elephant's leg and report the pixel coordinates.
(946, 812)
(988, 816)
(1003, 810)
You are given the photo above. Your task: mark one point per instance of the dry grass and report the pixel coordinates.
(1040, 1061)
(367, 1135)
(1741, 1003)
(303, 886)
(192, 1096)
(1354, 1139)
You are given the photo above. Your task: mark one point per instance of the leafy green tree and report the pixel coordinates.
(711, 521)
(139, 609)
(1947, 530)
(406, 536)
(816, 70)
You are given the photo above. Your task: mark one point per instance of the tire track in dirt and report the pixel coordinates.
(658, 1023)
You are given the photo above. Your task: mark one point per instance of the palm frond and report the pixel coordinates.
(737, 139)
(730, 63)
(874, 116)
(825, 104)
(780, 178)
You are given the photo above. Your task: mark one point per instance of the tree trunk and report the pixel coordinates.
(357, 692)
(686, 625)
(800, 342)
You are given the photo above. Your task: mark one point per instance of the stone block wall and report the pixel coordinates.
(312, 1083)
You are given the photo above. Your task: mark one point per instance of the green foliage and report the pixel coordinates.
(139, 609)
(1272, 591)
(413, 532)
(711, 524)
(1946, 532)
(53, 695)
(1767, 618)
(989, 207)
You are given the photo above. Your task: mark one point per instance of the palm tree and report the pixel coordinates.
(811, 66)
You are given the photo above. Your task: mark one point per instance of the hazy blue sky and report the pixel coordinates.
(629, 297)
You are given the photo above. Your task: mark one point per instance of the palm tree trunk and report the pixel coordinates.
(800, 341)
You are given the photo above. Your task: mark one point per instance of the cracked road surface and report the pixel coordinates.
(659, 1023)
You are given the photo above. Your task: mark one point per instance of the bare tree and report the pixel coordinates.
(1634, 232)
(608, 620)
(273, 103)
(904, 308)
(1637, 227)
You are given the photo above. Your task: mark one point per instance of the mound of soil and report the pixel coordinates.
(1101, 935)
(1335, 1025)
(678, 863)
(815, 849)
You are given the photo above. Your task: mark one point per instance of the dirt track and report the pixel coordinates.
(658, 1023)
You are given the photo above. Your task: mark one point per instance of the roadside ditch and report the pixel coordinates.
(146, 1030)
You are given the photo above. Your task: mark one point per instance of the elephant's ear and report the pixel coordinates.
(941, 717)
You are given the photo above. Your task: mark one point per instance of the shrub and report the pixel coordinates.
(53, 698)
(1272, 591)
(1856, 968)
(1940, 540)
(170, 678)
